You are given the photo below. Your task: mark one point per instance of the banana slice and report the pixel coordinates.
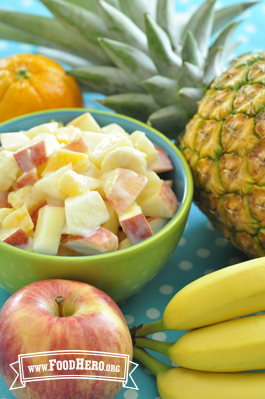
(126, 158)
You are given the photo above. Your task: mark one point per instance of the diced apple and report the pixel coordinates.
(26, 179)
(122, 187)
(48, 231)
(31, 157)
(90, 170)
(4, 201)
(62, 158)
(86, 123)
(143, 144)
(113, 223)
(19, 218)
(135, 225)
(4, 212)
(13, 141)
(99, 241)
(8, 170)
(93, 139)
(51, 145)
(126, 243)
(44, 128)
(162, 163)
(152, 186)
(112, 127)
(157, 223)
(85, 212)
(126, 158)
(79, 144)
(163, 203)
(66, 134)
(15, 237)
(169, 183)
(72, 183)
(63, 251)
(28, 195)
(35, 212)
(109, 143)
(49, 184)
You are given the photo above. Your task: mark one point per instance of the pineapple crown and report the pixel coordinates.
(152, 63)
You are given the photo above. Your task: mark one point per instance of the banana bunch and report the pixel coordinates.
(219, 341)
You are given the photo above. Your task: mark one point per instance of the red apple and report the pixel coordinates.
(27, 179)
(14, 236)
(79, 144)
(162, 163)
(31, 157)
(88, 320)
(4, 201)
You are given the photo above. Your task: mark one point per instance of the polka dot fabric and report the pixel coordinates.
(201, 250)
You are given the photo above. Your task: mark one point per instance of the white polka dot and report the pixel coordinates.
(166, 289)
(221, 242)
(10, 285)
(208, 271)
(210, 226)
(129, 319)
(185, 265)
(203, 253)
(3, 45)
(3, 274)
(182, 242)
(130, 394)
(234, 260)
(152, 313)
(160, 336)
(146, 369)
(250, 28)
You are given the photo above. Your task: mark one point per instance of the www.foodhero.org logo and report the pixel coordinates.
(43, 366)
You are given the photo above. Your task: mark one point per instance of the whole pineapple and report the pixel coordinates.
(224, 145)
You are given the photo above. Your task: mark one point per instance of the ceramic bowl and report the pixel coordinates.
(121, 273)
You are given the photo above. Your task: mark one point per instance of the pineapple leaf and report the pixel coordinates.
(170, 120)
(90, 5)
(167, 62)
(136, 64)
(189, 98)
(224, 36)
(105, 80)
(62, 56)
(137, 8)
(190, 50)
(203, 30)
(191, 76)
(165, 13)
(114, 3)
(196, 18)
(135, 105)
(16, 35)
(122, 28)
(225, 15)
(163, 90)
(213, 66)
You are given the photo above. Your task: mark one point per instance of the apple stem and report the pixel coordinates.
(60, 302)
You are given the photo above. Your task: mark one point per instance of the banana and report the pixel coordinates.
(234, 291)
(181, 383)
(126, 158)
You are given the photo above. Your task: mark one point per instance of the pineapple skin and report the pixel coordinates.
(224, 145)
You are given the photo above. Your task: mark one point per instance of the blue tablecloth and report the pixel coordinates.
(201, 249)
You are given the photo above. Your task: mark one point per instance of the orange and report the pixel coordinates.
(30, 83)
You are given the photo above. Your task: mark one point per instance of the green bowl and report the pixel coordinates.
(121, 273)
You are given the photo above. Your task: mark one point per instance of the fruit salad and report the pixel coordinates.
(82, 189)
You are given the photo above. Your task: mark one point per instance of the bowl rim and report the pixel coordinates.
(187, 195)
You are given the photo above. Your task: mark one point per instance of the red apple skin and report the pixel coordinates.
(136, 228)
(31, 157)
(27, 179)
(162, 163)
(3, 201)
(29, 323)
(35, 212)
(78, 145)
(17, 239)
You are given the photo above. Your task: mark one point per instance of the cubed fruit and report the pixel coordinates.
(4, 200)
(99, 241)
(72, 183)
(126, 158)
(162, 163)
(35, 212)
(93, 139)
(13, 141)
(48, 231)
(61, 158)
(113, 223)
(122, 187)
(49, 184)
(28, 195)
(15, 237)
(85, 212)
(163, 203)
(26, 179)
(4, 212)
(66, 134)
(90, 170)
(44, 128)
(135, 225)
(157, 223)
(109, 143)
(31, 157)
(126, 243)
(112, 127)
(63, 251)
(143, 144)
(79, 144)
(8, 170)
(152, 186)
(19, 218)
(86, 123)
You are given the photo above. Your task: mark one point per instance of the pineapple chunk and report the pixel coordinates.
(85, 212)
(51, 220)
(66, 134)
(26, 195)
(62, 158)
(13, 141)
(4, 212)
(49, 184)
(19, 218)
(8, 170)
(86, 123)
(143, 144)
(72, 183)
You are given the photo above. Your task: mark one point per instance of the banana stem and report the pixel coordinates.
(150, 328)
(155, 365)
(154, 345)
